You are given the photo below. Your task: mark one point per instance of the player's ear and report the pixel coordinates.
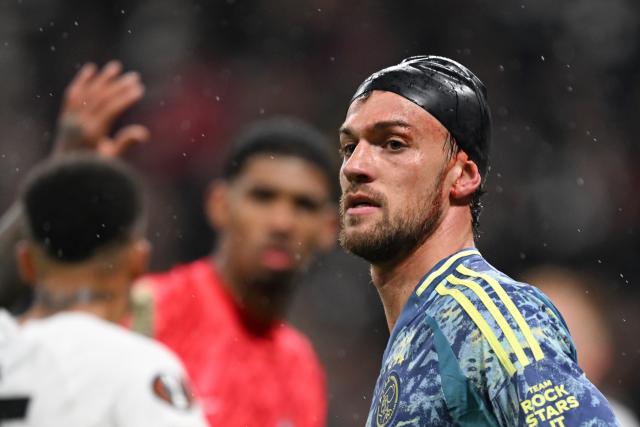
(329, 231)
(467, 178)
(216, 204)
(139, 255)
(26, 262)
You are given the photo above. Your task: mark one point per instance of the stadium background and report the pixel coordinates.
(564, 85)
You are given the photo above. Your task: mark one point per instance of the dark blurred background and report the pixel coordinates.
(564, 86)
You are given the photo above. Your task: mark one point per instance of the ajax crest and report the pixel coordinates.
(388, 400)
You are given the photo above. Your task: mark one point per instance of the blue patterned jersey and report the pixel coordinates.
(473, 347)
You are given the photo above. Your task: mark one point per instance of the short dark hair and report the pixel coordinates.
(281, 136)
(77, 205)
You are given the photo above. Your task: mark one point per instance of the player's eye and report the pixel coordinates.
(395, 145)
(347, 150)
(262, 194)
(307, 204)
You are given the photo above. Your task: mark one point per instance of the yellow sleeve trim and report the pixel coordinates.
(511, 307)
(497, 315)
(431, 277)
(482, 324)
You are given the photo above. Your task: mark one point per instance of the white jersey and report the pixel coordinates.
(76, 370)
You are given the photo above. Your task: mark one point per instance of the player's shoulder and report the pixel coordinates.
(88, 340)
(487, 287)
(161, 299)
(479, 289)
(291, 340)
(8, 326)
(475, 301)
(295, 346)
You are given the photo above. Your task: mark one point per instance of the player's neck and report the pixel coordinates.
(104, 297)
(397, 280)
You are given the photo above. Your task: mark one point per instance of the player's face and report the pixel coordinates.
(277, 214)
(394, 159)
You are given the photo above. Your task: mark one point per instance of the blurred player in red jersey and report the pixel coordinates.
(223, 315)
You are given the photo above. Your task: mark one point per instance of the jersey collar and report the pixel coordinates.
(425, 286)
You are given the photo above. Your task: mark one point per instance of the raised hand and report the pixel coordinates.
(93, 101)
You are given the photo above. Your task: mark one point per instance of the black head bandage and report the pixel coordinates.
(447, 90)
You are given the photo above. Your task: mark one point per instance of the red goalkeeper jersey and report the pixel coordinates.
(242, 379)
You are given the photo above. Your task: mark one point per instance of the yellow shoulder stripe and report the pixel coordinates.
(431, 277)
(482, 324)
(497, 315)
(511, 307)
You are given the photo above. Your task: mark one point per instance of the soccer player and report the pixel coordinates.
(223, 315)
(67, 363)
(469, 346)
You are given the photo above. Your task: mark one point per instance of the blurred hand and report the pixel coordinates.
(92, 102)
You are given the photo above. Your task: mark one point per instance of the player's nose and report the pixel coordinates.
(282, 217)
(359, 166)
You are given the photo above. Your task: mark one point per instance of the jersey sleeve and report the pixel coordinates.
(552, 390)
(158, 394)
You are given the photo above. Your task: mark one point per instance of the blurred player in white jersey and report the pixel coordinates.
(67, 362)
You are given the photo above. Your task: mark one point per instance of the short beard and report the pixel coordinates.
(267, 297)
(393, 238)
